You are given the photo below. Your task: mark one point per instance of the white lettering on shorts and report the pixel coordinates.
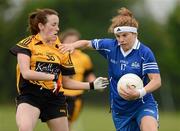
(149, 110)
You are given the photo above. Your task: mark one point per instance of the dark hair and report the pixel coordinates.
(39, 16)
(69, 32)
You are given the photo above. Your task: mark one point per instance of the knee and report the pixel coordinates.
(25, 127)
(149, 127)
(149, 124)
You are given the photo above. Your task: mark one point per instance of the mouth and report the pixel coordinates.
(123, 44)
(55, 34)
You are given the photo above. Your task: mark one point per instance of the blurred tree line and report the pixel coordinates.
(92, 19)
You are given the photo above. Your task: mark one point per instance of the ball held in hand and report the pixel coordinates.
(129, 80)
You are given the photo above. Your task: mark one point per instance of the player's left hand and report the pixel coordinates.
(129, 93)
(99, 84)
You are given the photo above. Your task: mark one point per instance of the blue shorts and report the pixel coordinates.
(132, 121)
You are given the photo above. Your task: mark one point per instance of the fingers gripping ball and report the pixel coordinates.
(130, 80)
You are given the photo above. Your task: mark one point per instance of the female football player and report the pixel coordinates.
(132, 110)
(41, 73)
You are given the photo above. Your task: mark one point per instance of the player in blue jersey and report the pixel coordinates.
(132, 110)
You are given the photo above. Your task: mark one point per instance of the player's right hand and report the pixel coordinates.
(66, 48)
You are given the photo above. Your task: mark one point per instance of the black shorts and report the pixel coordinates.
(51, 106)
(74, 106)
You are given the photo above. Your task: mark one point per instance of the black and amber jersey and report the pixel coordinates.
(43, 58)
(83, 66)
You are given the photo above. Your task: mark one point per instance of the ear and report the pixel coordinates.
(40, 26)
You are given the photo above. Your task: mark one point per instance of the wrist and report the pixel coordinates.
(142, 92)
(91, 85)
(56, 77)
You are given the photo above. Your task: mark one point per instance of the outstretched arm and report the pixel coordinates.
(78, 44)
(99, 83)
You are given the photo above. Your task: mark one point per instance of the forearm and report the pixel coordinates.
(69, 83)
(154, 84)
(82, 44)
(90, 77)
(34, 75)
(27, 73)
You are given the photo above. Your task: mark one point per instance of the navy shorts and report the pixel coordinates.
(50, 105)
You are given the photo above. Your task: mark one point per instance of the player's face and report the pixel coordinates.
(51, 28)
(70, 39)
(126, 40)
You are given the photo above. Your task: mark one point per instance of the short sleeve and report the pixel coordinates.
(16, 49)
(150, 65)
(67, 67)
(22, 47)
(103, 46)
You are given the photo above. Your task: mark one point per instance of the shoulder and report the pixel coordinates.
(23, 46)
(145, 52)
(144, 48)
(26, 41)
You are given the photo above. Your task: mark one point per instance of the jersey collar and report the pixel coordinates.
(135, 47)
(136, 44)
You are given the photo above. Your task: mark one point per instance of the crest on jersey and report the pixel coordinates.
(135, 65)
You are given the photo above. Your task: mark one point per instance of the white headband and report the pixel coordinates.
(120, 29)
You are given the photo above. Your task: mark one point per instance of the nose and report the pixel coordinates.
(57, 28)
(121, 39)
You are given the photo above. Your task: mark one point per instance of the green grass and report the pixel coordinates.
(92, 119)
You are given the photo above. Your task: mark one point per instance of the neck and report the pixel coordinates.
(44, 39)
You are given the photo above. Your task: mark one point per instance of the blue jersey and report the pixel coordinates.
(140, 61)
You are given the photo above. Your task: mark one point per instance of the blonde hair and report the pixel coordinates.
(124, 18)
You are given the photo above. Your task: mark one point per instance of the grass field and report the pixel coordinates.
(92, 119)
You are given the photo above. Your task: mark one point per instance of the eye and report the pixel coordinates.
(117, 35)
(53, 24)
(124, 35)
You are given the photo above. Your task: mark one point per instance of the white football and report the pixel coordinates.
(130, 79)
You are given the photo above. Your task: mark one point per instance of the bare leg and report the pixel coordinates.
(58, 124)
(149, 123)
(26, 117)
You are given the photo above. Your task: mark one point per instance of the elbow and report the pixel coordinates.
(159, 83)
(25, 75)
(65, 82)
